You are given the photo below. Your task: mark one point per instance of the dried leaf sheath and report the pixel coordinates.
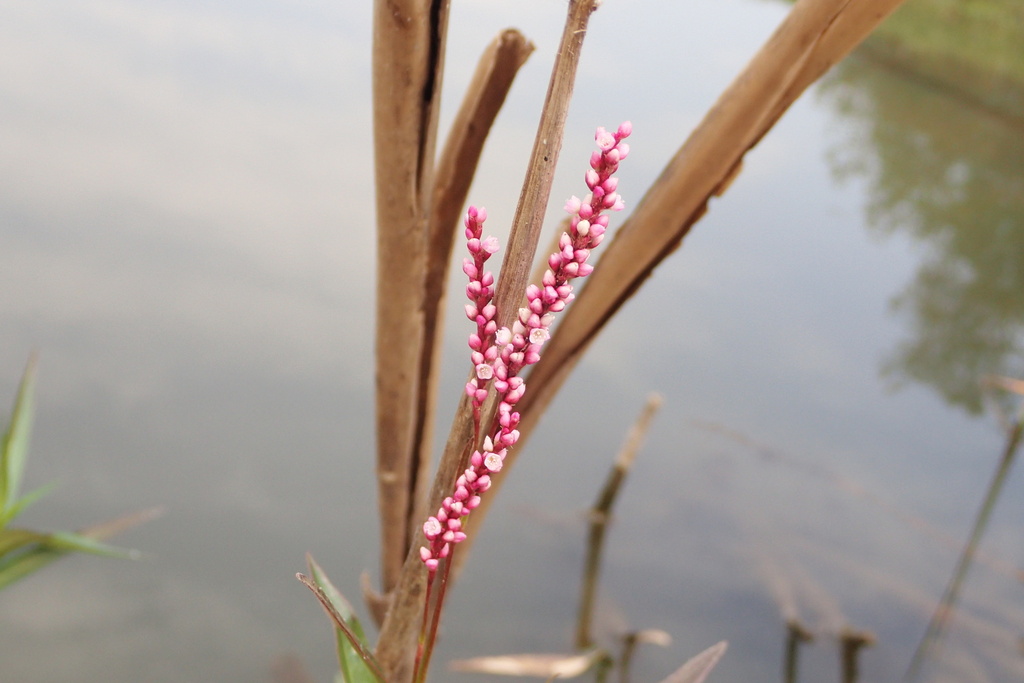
(408, 47)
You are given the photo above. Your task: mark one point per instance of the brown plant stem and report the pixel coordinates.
(408, 59)
(851, 642)
(398, 630)
(947, 604)
(796, 634)
(815, 35)
(600, 515)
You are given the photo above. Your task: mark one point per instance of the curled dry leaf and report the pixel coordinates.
(697, 669)
(536, 665)
(654, 636)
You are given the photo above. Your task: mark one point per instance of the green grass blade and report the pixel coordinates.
(17, 507)
(18, 566)
(12, 540)
(14, 448)
(69, 541)
(349, 660)
(353, 652)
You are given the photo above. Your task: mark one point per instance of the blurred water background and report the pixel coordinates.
(186, 236)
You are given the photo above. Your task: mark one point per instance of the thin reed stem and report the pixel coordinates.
(940, 618)
(600, 515)
(796, 634)
(851, 642)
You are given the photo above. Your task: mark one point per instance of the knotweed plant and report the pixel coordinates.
(500, 355)
(421, 190)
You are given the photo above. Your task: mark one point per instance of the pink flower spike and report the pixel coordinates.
(499, 355)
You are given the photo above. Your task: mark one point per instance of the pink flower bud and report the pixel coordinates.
(493, 462)
(432, 528)
(539, 335)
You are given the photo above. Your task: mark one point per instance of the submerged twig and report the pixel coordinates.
(796, 634)
(600, 514)
(947, 604)
(851, 642)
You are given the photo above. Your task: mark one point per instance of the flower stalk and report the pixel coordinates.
(500, 355)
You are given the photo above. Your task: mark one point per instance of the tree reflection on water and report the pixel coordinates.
(951, 177)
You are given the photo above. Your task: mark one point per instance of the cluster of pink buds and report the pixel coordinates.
(480, 310)
(499, 355)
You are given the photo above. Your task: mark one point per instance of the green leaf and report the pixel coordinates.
(355, 659)
(349, 660)
(16, 539)
(14, 448)
(18, 506)
(68, 541)
(15, 566)
(23, 552)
